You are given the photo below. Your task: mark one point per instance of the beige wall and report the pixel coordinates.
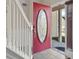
(28, 8)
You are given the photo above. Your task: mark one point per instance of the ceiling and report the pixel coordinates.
(50, 2)
(56, 1)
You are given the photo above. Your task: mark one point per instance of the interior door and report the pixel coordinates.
(41, 27)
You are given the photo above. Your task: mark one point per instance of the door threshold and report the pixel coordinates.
(59, 51)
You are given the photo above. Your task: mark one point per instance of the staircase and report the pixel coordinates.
(18, 32)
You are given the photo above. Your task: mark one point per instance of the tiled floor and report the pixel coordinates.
(49, 54)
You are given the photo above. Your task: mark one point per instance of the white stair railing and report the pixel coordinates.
(19, 30)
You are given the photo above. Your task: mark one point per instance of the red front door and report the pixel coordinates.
(41, 27)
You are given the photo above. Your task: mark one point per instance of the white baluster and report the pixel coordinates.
(12, 12)
(28, 38)
(29, 42)
(7, 21)
(23, 36)
(17, 30)
(10, 25)
(14, 27)
(20, 34)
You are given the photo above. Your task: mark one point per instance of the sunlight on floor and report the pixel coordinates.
(49, 54)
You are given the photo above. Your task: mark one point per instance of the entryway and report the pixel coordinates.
(41, 34)
(58, 31)
(41, 27)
